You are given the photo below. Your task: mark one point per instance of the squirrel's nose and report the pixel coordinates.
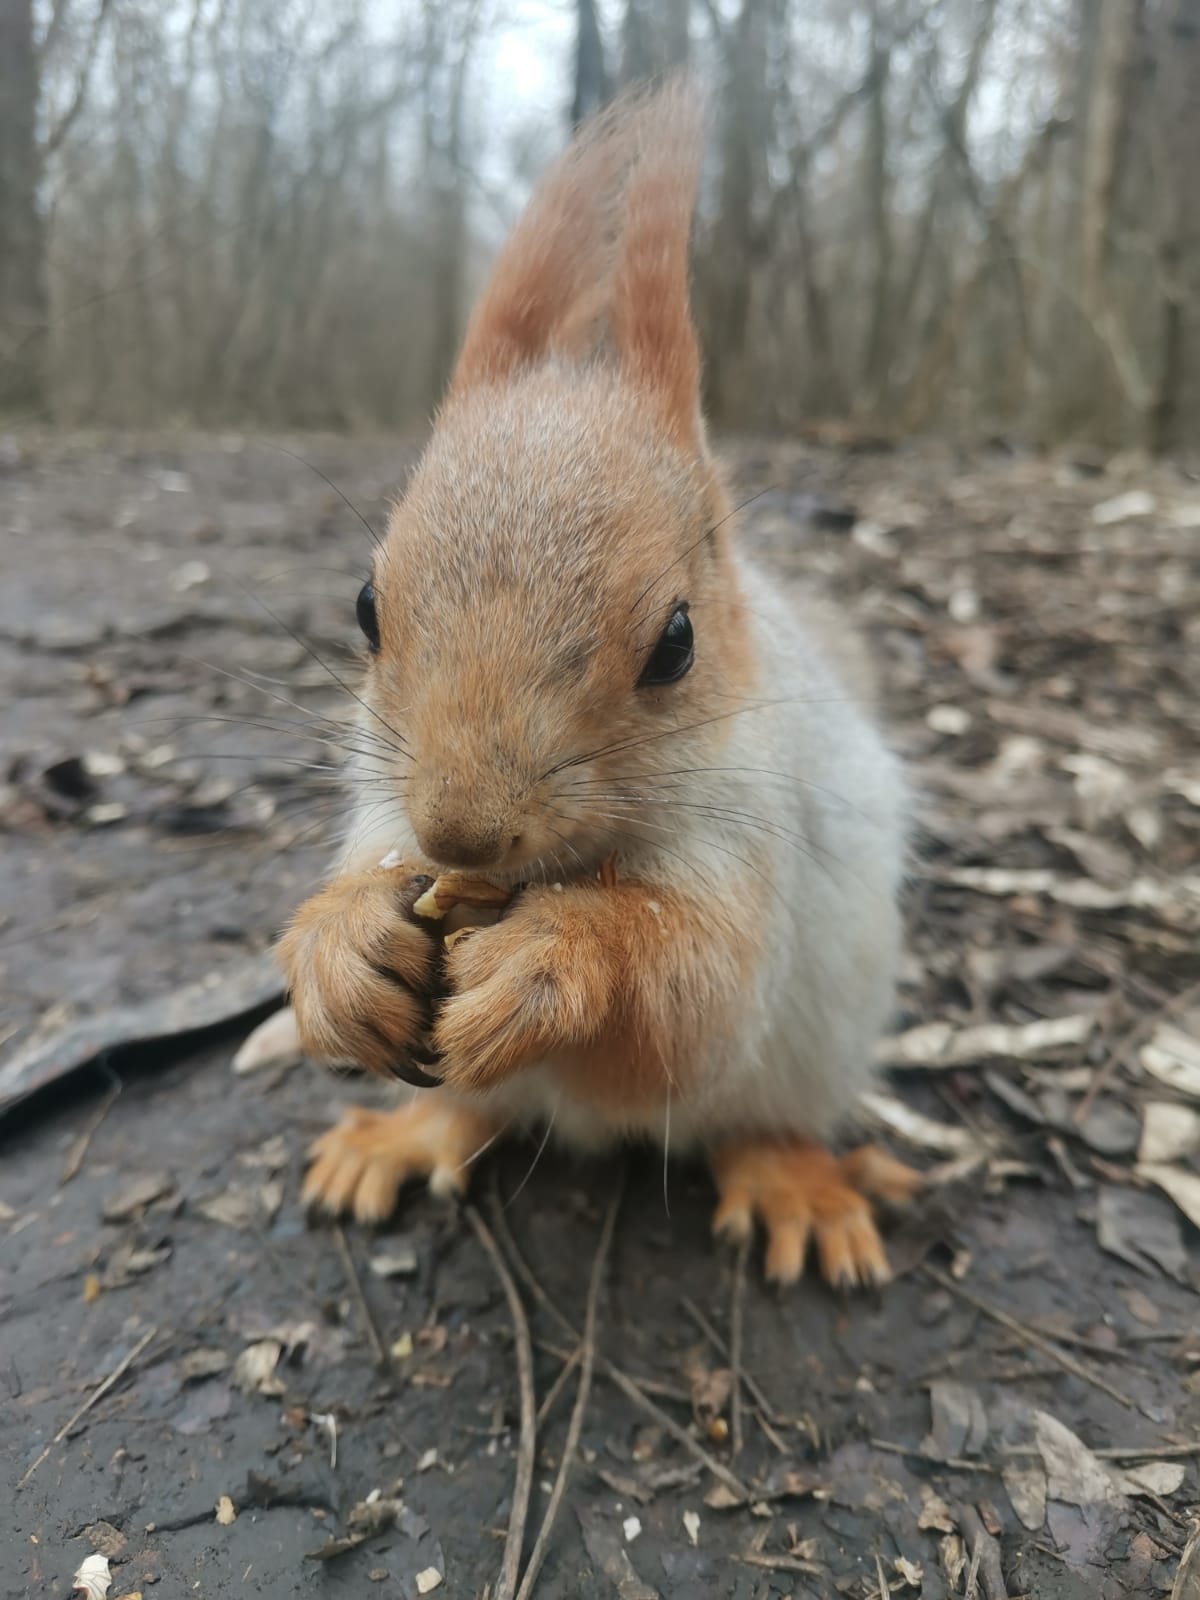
(453, 844)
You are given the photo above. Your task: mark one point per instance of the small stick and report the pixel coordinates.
(355, 1282)
(523, 1478)
(959, 1463)
(613, 1373)
(735, 1347)
(753, 1387)
(755, 1558)
(97, 1394)
(1068, 1363)
(985, 1558)
(579, 1410)
(80, 1148)
(559, 1384)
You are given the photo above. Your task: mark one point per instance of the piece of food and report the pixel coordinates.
(453, 889)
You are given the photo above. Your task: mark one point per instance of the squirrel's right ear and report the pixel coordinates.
(603, 248)
(547, 286)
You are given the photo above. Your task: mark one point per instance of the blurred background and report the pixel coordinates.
(917, 214)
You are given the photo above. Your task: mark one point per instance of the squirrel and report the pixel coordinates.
(570, 657)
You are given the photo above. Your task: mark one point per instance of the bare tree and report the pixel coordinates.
(22, 285)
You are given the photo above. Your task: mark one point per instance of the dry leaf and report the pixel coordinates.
(1026, 1486)
(1073, 1473)
(1183, 1187)
(1170, 1132)
(924, 1132)
(254, 1369)
(940, 1044)
(911, 1572)
(226, 1511)
(428, 1580)
(953, 1553)
(202, 1363)
(959, 1421)
(396, 1263)
(273, 1043)
(691, 1524)
(244, 1205)
(93, 1578)
(936, 1514)
(1152, 1477)
(133, 1199)
(1140, 894)
(1173, 1057)
(1139, 1229)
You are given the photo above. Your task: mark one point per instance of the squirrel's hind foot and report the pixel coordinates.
(802, 1192)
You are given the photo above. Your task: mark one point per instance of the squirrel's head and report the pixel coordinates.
(553, 618)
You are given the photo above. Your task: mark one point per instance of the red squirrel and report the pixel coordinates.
(569, 659)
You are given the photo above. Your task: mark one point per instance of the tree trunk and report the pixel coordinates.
(591, 74)
(22, 237)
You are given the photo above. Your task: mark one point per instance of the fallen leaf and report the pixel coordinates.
(105, 1540)
(226, 1511)
(273, 1043)
(139, 1193)
(254, 1369)
(201, 1363)
(130, 1261)
(93, 1578)
(244, 1205)
(924, 1132)
(691, 1525)
(911, 1573)
(935, 1513)
(396, 1263)
(1139, 1229)
(959, 1422)
(1183, 1187)
(1142, 1307)
(1173, 1057)
(1073, 1473)
(1170, 1132)
(1152, 1477)
(1140, 894)
(1026, 1486)
(941, 1045)
(428, 1580)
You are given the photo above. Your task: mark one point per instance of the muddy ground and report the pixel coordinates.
(1016, 1415)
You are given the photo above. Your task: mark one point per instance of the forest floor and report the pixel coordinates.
(213, 1395)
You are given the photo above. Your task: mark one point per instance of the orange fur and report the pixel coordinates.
(802, 1192)
(357, 968)
(615, 983)
(361, 1164)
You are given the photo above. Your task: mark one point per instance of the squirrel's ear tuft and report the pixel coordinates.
(650, 317)
(601, 248)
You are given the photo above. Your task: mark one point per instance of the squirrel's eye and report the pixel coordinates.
(364, 610)
(674, 652)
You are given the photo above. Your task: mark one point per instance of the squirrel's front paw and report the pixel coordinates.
(360, 970)
(537, 981)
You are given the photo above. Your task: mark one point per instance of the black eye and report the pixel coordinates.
(364, 610)
(674, 652)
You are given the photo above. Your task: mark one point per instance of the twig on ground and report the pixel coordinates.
(97, 1394)
(766, 1411)
(613, 1373)
(1028, 1335)
(559, 1384)
(579, 1411)
(506, 1585)
(755, 1558)
(80, 1148)
(959, 1463)
(355, 1282)
(985, 1553)
(736, 1309)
